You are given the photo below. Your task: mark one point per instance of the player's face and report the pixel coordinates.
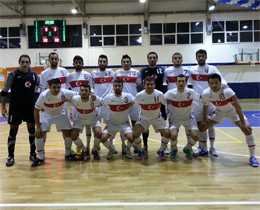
(24, 64)
(102, 62)
(126, 64)
(55, 89)
(149, 86)
(152, 60)
(117, 87)
(214, 85)
(54, 59)
(181, 83)
(177, 60)
(78, 64)
(201, 58)
(84, 92)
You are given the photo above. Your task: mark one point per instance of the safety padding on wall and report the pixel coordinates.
(246, 90)
(3, 76)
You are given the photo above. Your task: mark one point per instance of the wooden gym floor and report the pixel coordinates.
(226, 182)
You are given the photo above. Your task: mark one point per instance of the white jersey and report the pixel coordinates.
(199, 77)
(119, 107)
(75, 79)
(150, 104)
(86, 110)
(181, 103)
(131, 78)
(171, 73)
(221, 99)
(48, 74)
(53, 105)
(102, 82)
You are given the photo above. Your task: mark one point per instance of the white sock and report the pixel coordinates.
(250, 140)
(203, 140)
(174, 144)
(191, 143)
(78, 142)
(164, 143)
(129, 145)
(39, 143)
(68, 144)
(212, 135)
(111, 139)
(107, 144)
(138, 143)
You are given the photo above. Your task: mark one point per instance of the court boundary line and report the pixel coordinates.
(219, 203)
(225, 153)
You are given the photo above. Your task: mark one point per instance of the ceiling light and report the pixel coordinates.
(197, 23)
(212, 7)
(74, 10)
(245, 27)
(142, 1)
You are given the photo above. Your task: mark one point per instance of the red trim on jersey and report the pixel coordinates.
(173, 79)
(62, 80)
(54, 105)
(103, 80)
(149, 107)
(77, 83)
(199, 77)
(85, 111)
(119, 108)
(127, 79)
(225, 102)
(181, 103)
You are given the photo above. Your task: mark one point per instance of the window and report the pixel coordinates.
(176, 33)
(73, 38)
(10, 37)
(236, 31)
(115, 35)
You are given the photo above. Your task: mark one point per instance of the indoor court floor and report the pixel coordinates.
(225, 182)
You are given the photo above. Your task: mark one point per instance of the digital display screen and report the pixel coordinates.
(50, 31)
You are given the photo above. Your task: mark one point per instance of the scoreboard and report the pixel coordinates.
(50, 31)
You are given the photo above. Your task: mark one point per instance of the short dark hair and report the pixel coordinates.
(148, 79)
(77, 57)
(181, 76)
(118, 81)
(201, 51)
(126, 56)
(214, 76)
(85, 85)
(55, 81)
(152, 52)
(177, 53)
(24, 56)
(53, 53)
(103, 56)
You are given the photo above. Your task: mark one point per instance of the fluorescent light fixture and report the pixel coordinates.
(139, 40)
(142, 1)
(74, 10)
(212, 7)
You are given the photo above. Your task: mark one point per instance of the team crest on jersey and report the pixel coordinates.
(63, 98)
(28, 84)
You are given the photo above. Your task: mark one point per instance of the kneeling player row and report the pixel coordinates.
(115, 108)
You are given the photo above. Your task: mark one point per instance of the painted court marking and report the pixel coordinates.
(220, 203)
(225, 153)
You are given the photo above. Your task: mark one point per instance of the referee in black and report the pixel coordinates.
(157, 73)
(22, 83)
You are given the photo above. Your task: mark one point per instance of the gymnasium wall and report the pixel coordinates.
(244, 79)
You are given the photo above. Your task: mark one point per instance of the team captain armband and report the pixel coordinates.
(4, 93)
